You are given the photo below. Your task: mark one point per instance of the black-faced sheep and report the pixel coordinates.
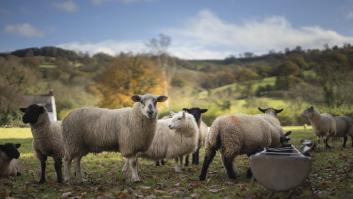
(127, 130)
(197, 113)
(8, 159)
(323, 124)
(47, 138)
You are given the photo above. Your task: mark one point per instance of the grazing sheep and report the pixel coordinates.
(344, 126)
(197, 112)
(47, 138)
(324, 125)
(270, 115)
(127, 130)
(174, 138)
(8, 163)
(239, 134)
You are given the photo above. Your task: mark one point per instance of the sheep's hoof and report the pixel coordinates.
(202, 178)
(41, 181)
(136, 180)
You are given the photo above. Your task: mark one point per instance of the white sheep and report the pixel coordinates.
(127, 130)
(47, 138)
(239, 134)
(323, 124)
(175, 137)
(8, 159)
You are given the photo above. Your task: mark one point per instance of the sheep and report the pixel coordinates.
(196, 112)
(344, 127)
(239, 134)
(126, 130)
(47, 138)
(174, 138)
(8, 160)
(323, 124)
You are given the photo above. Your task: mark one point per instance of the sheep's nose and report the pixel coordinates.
(170, 126)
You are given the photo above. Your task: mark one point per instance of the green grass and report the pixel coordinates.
(331, 176)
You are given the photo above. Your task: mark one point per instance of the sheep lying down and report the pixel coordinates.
(174, 137)
(8, 159)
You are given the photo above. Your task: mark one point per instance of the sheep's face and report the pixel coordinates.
(309, 112)
(32, 113)
(271, 111)
(11, 150)
(196, 112)
(177, 120)
(148, 104)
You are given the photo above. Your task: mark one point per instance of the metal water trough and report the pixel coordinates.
(280, 169)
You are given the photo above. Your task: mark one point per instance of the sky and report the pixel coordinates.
(199, 29)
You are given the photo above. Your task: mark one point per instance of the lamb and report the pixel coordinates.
(324, 125)
(126, 130)
(239, 134)
(197, 112)
(47, 138)
(8, 160)
(344, 127)
(174, 138)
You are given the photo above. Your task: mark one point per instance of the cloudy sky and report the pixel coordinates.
(200, 29)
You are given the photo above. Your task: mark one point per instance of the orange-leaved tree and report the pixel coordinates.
(128, 75)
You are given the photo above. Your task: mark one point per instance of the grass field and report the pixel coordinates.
(331, 176)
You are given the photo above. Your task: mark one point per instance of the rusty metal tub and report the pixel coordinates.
(280, 169)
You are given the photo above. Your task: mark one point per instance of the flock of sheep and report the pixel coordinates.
(137, 132)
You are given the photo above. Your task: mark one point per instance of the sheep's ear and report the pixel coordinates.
(278, 110)
(162, 98)
(17, 146)
(204, 110)
(41, 109)
(136, 98)
(186, 109)
(311, 107)
(261, 109)
(23, 110)
(288, 133)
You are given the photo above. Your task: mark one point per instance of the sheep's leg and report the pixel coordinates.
(133, 166)
(228, 164)
(187, 158)
(158, 163)
(206, 163)
(78, 169)
(43, 165)
(125, 169)
(67, 168)
(57, 166)
(178, 164)
(327, 146)
(195, 156)
(345, 138)
(162, 162)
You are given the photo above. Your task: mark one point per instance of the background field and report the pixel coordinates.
(331, 176)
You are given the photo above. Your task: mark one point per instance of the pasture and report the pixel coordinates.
(331, 176)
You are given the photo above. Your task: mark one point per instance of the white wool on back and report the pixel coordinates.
(172, 143)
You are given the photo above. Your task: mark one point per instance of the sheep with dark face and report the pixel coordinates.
(324, 124)
(203, 128)
(47, 138)
(126, 130)
(8, 159)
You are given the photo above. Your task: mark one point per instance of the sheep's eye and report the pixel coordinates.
(143, 103)
(179, 118)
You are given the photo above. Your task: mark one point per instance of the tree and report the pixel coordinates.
(159, 47)
(128, 75)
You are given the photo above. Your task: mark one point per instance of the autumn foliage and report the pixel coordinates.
(127, 75)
